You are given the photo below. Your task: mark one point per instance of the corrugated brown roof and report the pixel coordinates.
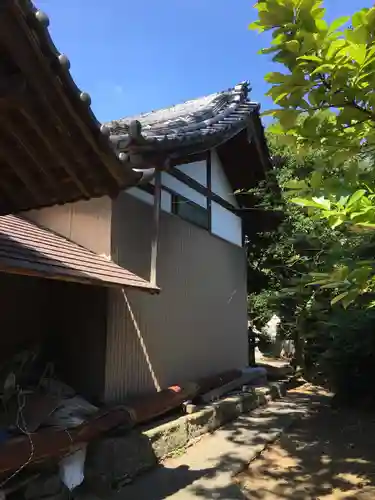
(28, 249)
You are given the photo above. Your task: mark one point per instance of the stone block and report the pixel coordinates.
(249, 401)
(114, 461)
(263, 395)
(169, 437)
(201, 422)
(277, 390)
(228, 409)
(276, 369)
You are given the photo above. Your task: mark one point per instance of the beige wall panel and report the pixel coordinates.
(88, 223)
(197, 326)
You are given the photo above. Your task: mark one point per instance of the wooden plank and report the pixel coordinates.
(209, 188)
(55, 443)
(156, 227)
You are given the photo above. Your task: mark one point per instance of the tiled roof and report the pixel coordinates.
(28, 249)
(217, 115)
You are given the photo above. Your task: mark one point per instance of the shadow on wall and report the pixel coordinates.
(129, 368)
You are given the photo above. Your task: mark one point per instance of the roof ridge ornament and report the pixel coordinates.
(135, 129)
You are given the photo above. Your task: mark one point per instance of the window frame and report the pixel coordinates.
(178, 201)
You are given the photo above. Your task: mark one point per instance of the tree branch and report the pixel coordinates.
(355, 124)
(348, 103)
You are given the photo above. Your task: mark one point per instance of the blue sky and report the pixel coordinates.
(134, 56)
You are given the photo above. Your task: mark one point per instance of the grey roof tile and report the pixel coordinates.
(215, 114)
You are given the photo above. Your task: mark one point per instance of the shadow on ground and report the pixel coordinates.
(197, 480)
(324, 453)
(328, 454)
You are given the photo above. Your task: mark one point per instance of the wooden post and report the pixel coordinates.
(155, 236)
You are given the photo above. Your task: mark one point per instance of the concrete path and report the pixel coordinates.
(205, 470)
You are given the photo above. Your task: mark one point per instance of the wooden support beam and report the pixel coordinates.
(209, 188)
(155, 235)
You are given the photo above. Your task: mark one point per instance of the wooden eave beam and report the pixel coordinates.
(39, 160)
(114, 167)
(51, 143)
(10, 157)
(12, 88)
(22, 45)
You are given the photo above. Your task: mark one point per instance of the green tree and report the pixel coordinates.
(337, 344)
(326, 105)
(280, 259)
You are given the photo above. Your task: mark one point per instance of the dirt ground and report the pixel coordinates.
(329, 455)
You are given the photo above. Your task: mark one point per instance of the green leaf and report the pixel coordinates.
(340, 157)
(316, 179)
(355, 197)
(270, 50)
(357, 52)
(278, 39)
(358, 35)
(304, 202)
(338, 298)
(288, 118)
(338, 23)
(336, 220)
(324, 68)
(267, 19)
(319, 282)
(319, 275)
(352, 295)
(359, 18)
(280, 97)
(256, 26)
(295, 184)
(322, 202)
(292, 46)
(321, 25)
(334, 48)
(335, 284)
(270, 112)
(276, 77)
(310, 59)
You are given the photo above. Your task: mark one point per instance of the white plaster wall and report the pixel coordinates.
(196, 170)
(219, 182)
(226, 224)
